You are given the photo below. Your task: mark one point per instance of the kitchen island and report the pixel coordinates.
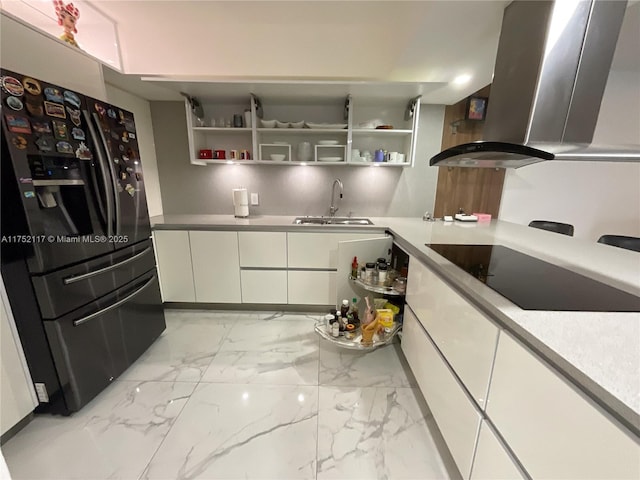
(598, 352)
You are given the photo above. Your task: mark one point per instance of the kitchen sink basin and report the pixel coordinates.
(332, 221)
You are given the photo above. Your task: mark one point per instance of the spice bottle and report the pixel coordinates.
(354, 267)
(382, 273)
(354, 312)
(335, 330)
(344, 309)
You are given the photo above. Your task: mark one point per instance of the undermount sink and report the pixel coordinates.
(332, 221)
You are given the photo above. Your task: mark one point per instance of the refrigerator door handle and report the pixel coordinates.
(84, 276)
(114, 177)
(105, 174)
(82, 320)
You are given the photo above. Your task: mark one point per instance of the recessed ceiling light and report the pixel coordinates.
(461, 79)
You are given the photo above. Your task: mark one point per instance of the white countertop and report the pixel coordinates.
(599, 351)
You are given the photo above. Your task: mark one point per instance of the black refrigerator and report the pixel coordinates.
(77, 258)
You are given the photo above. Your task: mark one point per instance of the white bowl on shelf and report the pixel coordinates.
(282, 124)
(268, 123)
(299, 124)
(330, 159)
(327, 142)
(277, 157)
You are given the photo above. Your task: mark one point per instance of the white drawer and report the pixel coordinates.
(312, 287)
(319, 250)
(463, 334)
(263, 249)
(454, 413)
(551, 427)
(491, 461)
(264, 286)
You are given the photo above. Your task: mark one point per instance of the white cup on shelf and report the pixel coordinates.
(399, 158)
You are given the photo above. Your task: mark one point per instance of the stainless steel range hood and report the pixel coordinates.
(551, 70)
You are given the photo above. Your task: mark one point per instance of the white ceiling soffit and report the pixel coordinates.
(430, 42)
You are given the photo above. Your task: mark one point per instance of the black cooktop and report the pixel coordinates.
(534, 284)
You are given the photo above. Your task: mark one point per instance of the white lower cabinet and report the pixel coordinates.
(264, 286)
(492, 462)
(173, 254)
(319, 250)
(455, 414)
(551, 427)
(465, 336)
(17, 396)
(216, 270)
(311, 287)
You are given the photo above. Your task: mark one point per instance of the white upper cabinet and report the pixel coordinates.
(339, 130)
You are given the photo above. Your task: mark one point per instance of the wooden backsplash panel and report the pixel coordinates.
(472, 189)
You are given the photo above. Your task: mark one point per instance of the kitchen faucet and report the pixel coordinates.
(333, 209)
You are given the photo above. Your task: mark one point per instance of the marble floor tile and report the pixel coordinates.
(275, 368)
(114, 436)
(383, 367)
(375, 433)
(241, 431)
(278, 333)
(185, 349)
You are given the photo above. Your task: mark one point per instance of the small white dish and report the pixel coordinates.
(268, 123)
(299, 124)
(282, 124)
(327, 142)
(337, 126)
(277, 157)
(330, 159)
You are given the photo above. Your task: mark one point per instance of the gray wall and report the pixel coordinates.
(289, 189)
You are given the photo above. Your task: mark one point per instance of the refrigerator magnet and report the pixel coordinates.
(41, 127)
(45, 143)
(53, 95)
(115, 135)
(112, 113)
(19, 142)
(17, 124)
(30, 194)
(132, 136)
(26, 180)
(125, 158)
(14, 103)
(83, 152)
(100, 109)
(129, 188)
(32, 86)
(121, 148)
(54, 110)
(125, 137)
(34, 106)
(116, 160)
(60, 130)
(78, 134)
(71, 98)
(129, 124)
(74, 115)
(12, 86)
(64, 147)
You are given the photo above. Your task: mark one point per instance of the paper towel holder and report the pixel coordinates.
(240, 202)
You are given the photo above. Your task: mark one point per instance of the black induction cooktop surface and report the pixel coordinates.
(534, 284)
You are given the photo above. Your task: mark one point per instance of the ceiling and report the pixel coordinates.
(353, 47)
